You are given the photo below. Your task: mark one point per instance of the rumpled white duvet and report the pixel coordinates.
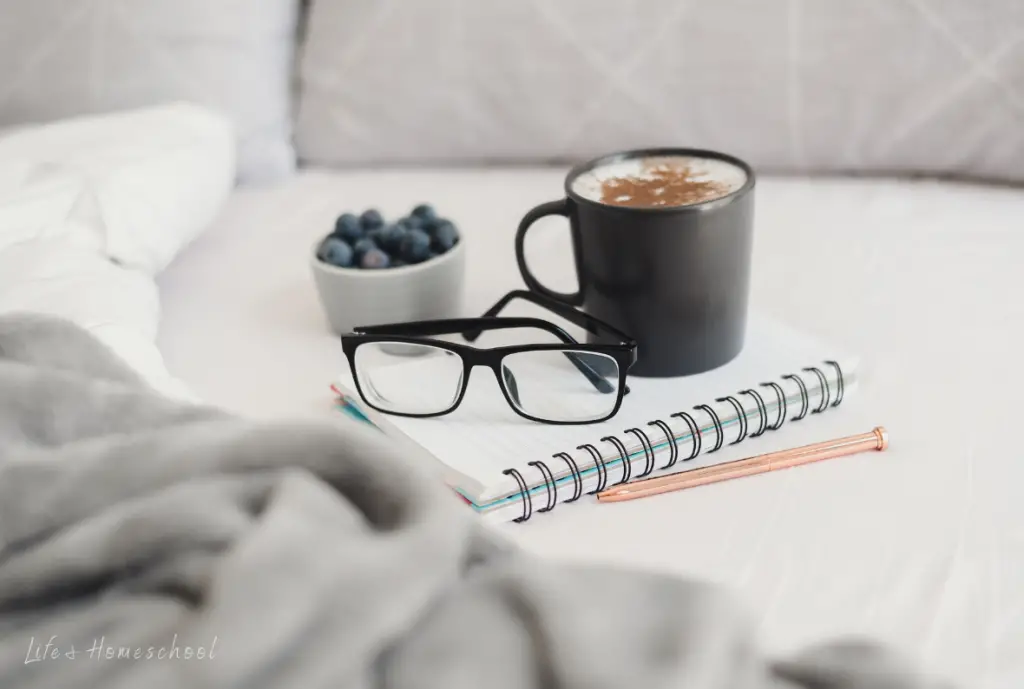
(92, 209)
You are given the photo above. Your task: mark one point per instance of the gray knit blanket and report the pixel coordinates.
(147, 543)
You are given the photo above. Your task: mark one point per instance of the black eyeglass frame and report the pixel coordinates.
(623, 352)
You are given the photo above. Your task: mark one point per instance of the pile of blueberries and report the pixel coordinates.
(367, 241)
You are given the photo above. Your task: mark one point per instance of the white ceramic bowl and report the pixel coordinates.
(353, 297)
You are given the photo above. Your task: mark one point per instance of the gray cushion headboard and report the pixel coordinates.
(890, 86)
(62, 58)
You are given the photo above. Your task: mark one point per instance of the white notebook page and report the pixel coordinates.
(484, 437)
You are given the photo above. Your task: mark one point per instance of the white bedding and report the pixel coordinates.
(92, 208)
(923, 546)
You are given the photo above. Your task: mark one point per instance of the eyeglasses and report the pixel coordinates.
(400, 369)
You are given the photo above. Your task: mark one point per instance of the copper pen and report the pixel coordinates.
(877, 439)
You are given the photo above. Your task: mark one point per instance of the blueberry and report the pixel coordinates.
(445, 236)
(360, 248)
(373, 259)
(347, 227)
(335, 252)
(415, 247)
(389, 237)
(413, 222)
(424, 211)
(436, 223)
(371, 219)
(376, 235)
(397, 263)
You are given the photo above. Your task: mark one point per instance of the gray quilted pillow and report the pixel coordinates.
(60, 58)
(931, 86)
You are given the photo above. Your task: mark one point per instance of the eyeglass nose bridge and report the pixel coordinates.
(506, 379)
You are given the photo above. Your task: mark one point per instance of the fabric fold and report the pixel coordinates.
(148, 542)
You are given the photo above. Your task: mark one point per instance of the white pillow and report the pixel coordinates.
(144, 182)
(930, 86)
(92, 209)
(63, 58)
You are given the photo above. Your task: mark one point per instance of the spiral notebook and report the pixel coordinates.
(511, 469)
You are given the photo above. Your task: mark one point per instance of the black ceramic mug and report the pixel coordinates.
(674, 277)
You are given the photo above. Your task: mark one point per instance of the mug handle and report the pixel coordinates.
(560, 207)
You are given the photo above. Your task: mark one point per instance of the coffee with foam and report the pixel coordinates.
(660, 181)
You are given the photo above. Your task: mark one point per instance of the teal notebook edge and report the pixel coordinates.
(347, 406)
(350, 407)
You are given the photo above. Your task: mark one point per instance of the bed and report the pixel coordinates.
(923, 548)
(921, 278)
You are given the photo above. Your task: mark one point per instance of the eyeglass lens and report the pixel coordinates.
(549, 384)
(408, 378)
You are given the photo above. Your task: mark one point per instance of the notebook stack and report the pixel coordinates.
(508, 468)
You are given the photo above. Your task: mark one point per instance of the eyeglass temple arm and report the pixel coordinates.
(583, 320)
(595, 378)
(592, 325)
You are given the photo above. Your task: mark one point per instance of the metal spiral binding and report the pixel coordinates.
(762, 411)
(783, 407)
(549, 480)
(826, 394)
(574, 471)
(805, 398)
(627, 466)
(741, 415)
(840, 383)
(645, 442)
(718, 426)
(695, 434)
(602, 470)
(524, 493)
(672, 442)
(551, 485)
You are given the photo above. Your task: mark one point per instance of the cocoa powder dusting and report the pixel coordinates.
(661, 185)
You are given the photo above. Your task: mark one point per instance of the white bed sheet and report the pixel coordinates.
(922, 546)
